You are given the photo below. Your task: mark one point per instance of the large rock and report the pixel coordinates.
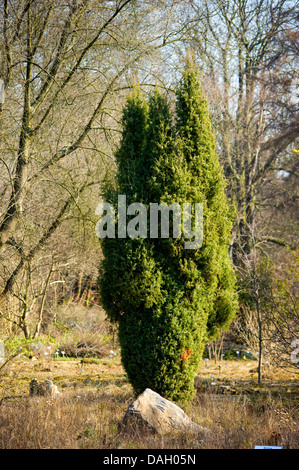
(153, 413)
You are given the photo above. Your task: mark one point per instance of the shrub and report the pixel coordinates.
(168, 300)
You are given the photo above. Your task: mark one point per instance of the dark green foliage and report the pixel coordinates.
(168, 300)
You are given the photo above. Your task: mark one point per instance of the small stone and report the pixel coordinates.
(226, 389)
(87, 381)
(46, 388)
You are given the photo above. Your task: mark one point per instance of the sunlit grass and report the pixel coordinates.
(94, 397)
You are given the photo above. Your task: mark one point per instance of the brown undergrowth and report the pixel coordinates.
(94, 397)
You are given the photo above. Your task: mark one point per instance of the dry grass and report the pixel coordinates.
(94, 398)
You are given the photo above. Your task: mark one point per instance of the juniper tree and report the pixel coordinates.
(168, 300)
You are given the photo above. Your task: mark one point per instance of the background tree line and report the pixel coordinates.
(67, 67)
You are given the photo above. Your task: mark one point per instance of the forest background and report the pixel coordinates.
(66, 69)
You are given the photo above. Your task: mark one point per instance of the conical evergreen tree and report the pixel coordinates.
(168, 300)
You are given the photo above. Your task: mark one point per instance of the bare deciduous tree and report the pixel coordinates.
(66, 67)
(248, 51)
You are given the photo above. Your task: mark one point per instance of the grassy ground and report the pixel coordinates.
(94, 397)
